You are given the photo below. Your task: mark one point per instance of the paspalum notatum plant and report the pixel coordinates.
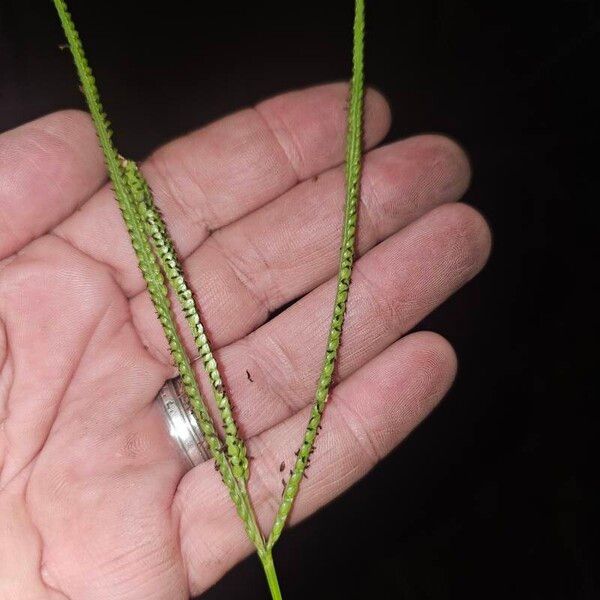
(92, 447)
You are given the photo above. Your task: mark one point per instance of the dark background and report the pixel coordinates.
(491, 497)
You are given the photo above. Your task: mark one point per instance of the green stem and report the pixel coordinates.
(269, 568)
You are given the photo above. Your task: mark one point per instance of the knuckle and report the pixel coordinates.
(165, 179)
(245, 268)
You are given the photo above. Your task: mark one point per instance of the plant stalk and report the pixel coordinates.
(269, 567)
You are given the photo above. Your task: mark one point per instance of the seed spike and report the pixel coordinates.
(164, 248)
(353, 173)
(155, 280)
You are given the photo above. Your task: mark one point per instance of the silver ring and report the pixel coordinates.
(181, 422)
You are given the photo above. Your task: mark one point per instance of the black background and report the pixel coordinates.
(491, 497)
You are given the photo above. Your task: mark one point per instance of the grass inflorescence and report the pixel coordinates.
(161, 269)
(353, 172)
(132, 200)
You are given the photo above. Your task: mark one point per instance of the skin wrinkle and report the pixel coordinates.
(431, 159)
(264, 385)
(273, 297)
(113, 270)
(175, 517)
(241, 276)
(4, 349)
(366, 211)
(123, 560)
(201, 219)
(373, 288)
(273, 353)
(266, 496)
(469, 240)
(454, 155)
(295, 152)
(36, 451)
(52, 592)
(8, 231)
(4, 416)
(45, 574)
(57, 426)
(354, 424)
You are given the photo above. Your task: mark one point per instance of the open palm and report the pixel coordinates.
(95, 501)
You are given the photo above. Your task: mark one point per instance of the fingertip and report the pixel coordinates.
(469, 226)
(447, 152)
(435, 356)
(48, 167)
(457, 154)
(466, 234)
(70, 132)
(65, 121)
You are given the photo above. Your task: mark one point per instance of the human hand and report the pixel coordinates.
(95, 500)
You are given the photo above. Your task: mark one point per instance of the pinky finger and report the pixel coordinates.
(368, 414)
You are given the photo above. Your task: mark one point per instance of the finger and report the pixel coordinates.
(367, 416)
(217, 174)
(285, 249)
(48, 167)
(394, 287)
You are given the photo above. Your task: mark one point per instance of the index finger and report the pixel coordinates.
(48, 167)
